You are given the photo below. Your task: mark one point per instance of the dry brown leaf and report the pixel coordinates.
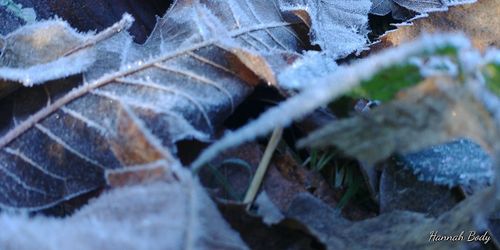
(145, 160)
(132, 144)
(479, 21)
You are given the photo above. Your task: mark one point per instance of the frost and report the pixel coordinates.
(397, 7)
(266, 209)
(492, 56)
(460, 162)
(422, 6)
(313, 65)
(38, 74)
(382, 7)
(338, 27)
(436, 66)
(458, 2)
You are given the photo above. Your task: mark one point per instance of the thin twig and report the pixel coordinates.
(262, 168)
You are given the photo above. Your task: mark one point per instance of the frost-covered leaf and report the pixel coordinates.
(475, 20)
(422, 6)
(338, 27)
(49, 50)
(396, 230)
(382, 7)
(179, 85)
(176, 215)
(403, 9)
(434, 112)
(460, 162)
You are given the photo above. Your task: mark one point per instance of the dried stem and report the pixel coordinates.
(262, 168)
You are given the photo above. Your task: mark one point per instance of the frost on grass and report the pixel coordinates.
(461, 162)
(177, 215)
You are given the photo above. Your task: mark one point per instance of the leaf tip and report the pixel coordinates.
(127, 20)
